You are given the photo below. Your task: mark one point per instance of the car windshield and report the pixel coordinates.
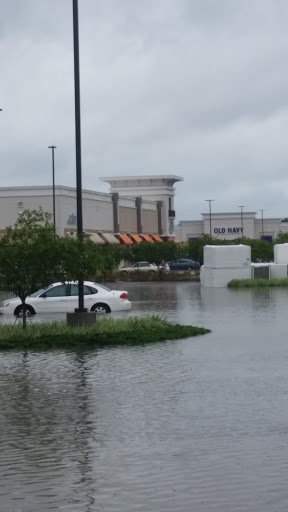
(103, 287)
(35, 294)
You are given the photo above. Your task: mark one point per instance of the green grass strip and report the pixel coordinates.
(105, 332)
(257, 283)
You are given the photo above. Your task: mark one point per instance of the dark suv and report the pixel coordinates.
(184, 264)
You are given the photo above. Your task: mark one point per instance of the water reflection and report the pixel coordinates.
(47, 431)
(198, 424)
(268, 300)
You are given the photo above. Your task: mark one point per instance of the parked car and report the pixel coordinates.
(63, 297)
(144, 266)
(184, 264)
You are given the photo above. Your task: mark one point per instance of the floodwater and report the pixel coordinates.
(193, 425)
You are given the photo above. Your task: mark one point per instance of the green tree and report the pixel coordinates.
(30, 256)
(281, 238)
(80, 259)
(112, 256)
(92, 258)
(33, 257)
(261, 250)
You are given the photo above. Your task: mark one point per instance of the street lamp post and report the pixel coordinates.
(78, 144)
(210, 216)
(53, 185)
(262, 222)
(242, 228)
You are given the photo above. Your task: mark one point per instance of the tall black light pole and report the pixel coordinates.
(53, 185)
(78, 144)
(262, 222)
(210, 216)
(242, 228)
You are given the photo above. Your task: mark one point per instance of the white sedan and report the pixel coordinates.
(63, 298)
(144, 266)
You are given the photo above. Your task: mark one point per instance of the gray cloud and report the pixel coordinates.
(182, 87)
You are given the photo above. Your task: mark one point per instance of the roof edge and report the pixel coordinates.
(141, 178)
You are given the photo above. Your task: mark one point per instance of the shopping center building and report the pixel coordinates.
(136, 208)
(231, 225)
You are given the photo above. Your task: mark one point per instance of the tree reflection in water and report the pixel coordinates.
(46, 431)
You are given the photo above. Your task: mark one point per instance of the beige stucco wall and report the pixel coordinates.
(282, 227)
(189, 229)
(228, 226)
(10, 209)
(127, 219)
(97, 207)
(149, 221)
(252, 227)
(97, 213)
(271, 227)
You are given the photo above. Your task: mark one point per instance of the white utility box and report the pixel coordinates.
(281, 254)
(227, 256)
(220, 277)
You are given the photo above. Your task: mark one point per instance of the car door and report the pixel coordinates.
(72, 299)
(53, 300)
(189, 264)
(176, 265)
(182, 264)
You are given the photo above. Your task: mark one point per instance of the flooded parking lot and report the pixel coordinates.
(199, 424)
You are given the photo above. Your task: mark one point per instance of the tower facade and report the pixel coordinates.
(151, 188)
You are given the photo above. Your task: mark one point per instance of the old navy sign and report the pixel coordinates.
(228, 231)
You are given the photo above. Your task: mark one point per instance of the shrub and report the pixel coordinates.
(105, 331)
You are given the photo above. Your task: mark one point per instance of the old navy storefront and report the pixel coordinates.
(228, 231)
(231, 225)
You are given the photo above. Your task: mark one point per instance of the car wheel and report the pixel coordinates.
(189, 269)
(101, 308)
(124, 272)
(29, 311)
(151, 272)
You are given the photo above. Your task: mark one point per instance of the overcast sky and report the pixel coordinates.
(196, 88)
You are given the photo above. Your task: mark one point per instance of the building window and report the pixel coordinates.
(72, 220)
(268, 238)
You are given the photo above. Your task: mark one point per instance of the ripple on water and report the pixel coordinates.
(198, 424)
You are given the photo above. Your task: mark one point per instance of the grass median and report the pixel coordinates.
(105, 332)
